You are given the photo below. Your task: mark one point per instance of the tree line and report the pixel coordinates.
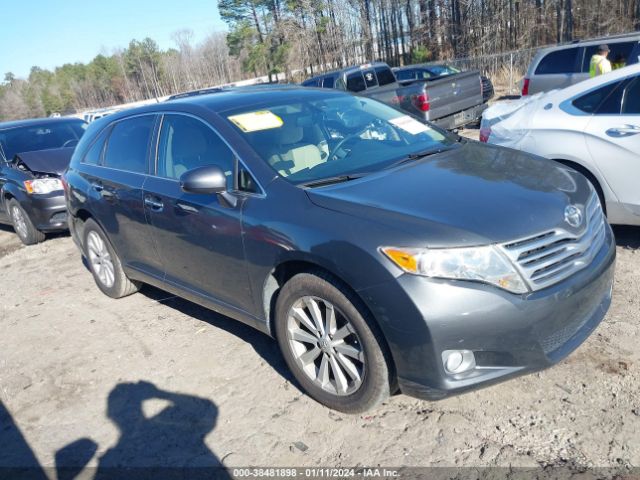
(297, 38)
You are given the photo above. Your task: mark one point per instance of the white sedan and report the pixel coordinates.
(592, 126)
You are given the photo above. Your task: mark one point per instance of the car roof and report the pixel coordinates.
(626, 37)
(37, 121)
(352, 68)
(224, 99)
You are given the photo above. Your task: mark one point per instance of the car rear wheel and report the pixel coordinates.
(331, 346)
(104, 263)
(22, 224)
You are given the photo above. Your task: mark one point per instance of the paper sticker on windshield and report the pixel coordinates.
(409, 124)
(255, 121)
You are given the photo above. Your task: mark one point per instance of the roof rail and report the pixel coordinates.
(194, 93)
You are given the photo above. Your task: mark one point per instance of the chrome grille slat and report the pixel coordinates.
(552, 256)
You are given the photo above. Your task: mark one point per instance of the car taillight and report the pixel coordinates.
(525, 87)
(421, 102)
(485, 133)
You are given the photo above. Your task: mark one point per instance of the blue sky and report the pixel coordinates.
(49, 33)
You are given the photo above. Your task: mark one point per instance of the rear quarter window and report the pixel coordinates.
(558, 61)
(602, 101)
(94, 154)
(631, 104)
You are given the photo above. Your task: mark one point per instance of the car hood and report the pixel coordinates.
(53, 161)
(473, 194)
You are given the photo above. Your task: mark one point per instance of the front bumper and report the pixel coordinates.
(509, 334)
(48, 213)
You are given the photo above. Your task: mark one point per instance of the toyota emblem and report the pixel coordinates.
(573, 216)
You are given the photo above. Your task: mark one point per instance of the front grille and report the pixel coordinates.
(560, 337)
(552, 256)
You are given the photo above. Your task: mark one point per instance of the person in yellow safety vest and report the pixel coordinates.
(599, 63)
(618, 62)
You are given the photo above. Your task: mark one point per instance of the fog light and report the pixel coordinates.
(458, 361)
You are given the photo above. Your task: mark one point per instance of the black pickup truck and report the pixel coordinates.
(447, 102)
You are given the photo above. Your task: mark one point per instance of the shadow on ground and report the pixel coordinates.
(164, 440)
(264, 346)
(627, 236)
(17, 460)
(166, 443)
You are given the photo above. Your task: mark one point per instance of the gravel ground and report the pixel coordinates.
(155, 380)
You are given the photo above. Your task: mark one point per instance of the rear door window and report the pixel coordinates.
(631, 103)
(559, 61)
(620, 54)
(370, 78)
(128, 144)
(385, 76)
(355, 82)
(605, 100)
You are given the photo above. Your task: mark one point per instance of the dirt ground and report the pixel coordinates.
(82, 374)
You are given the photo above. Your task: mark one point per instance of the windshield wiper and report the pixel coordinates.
(417, 156)
(331, 180)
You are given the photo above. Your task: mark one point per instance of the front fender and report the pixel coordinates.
(11, 190)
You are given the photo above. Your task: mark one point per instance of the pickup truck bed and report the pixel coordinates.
(449, 102)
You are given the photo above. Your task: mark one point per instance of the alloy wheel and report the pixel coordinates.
(325, 346)
(100, 259)
(19, 222)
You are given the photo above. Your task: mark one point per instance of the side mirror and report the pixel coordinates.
(207, 180)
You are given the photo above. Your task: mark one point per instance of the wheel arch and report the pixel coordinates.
(592, 177)
(287, 269)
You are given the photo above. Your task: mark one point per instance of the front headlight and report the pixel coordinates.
(481, 264)
(43, 185)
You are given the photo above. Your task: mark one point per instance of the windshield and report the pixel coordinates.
(442, 70)
(40, 137)
(329, 136)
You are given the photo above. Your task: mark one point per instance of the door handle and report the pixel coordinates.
(623, 131)
(97, 186)
(153, 204)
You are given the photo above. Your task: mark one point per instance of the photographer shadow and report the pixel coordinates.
(167, 444)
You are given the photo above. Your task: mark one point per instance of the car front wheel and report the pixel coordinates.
(22, 224)
(332, 347)
(104, 263)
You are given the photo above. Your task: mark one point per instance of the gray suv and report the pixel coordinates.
(564, 65)
(379, 251)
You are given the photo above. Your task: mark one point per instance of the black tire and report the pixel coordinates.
(121, 285)
(378, 378)
(22, 224)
